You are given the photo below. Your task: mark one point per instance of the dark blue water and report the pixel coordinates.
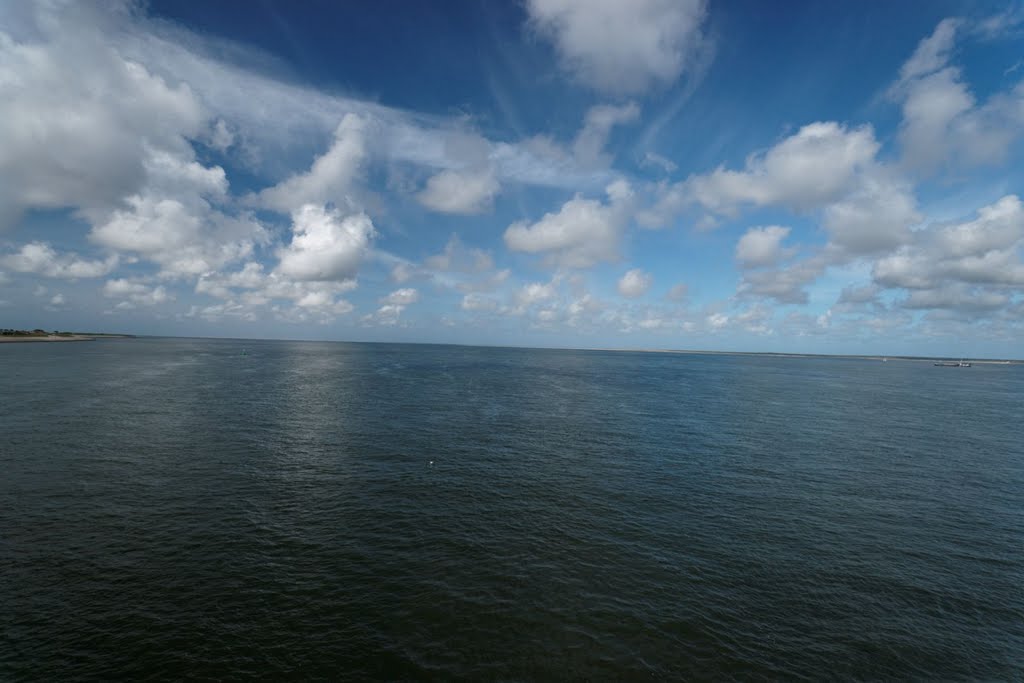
(173, 508)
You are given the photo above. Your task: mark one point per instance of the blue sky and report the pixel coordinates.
(810, 177)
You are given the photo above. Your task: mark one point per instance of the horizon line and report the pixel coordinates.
(783, 354)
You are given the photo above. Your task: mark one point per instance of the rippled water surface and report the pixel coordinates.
(174, 508)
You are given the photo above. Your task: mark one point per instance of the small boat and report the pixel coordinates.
(953, 364)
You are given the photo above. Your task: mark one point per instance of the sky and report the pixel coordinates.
(799, 177)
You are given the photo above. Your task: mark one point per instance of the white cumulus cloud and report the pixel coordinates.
(762, 246)
(875, 218)
(984, 252)
(943, 122)
(135, 292)
(79, 116)
(330, 178)
(460, 192)
(784, 284)
(325, 245)
(533, 293)
(622, 47)
(402, 297)
(588, 147)
(40, 258)
(821, 163)
(816, 165)
(634, 283)
(580, 234)
(387, 315)
(475, 301)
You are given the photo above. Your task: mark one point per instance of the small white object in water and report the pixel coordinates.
(431, 462)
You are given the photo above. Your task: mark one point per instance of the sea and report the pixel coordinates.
(272, 510)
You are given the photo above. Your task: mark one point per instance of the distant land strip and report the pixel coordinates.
(779, 354)
(10, 335)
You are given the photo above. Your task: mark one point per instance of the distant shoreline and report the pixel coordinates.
(26, 338)
(779, 354)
